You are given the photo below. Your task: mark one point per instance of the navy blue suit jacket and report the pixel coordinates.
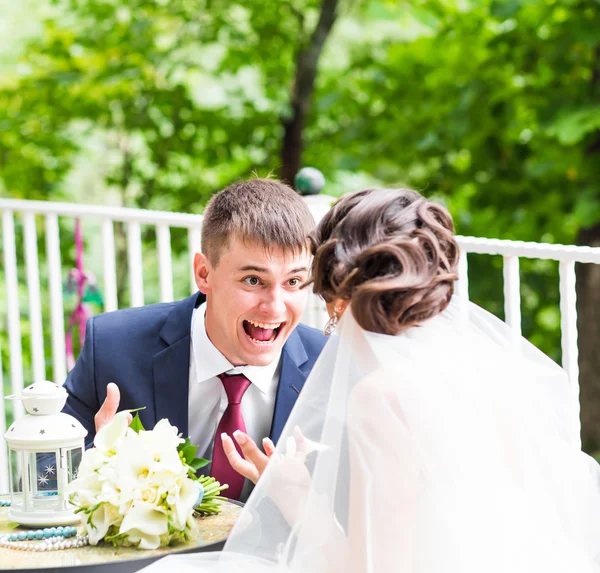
(146, 352)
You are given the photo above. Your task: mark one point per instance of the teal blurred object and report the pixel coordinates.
(309, 181)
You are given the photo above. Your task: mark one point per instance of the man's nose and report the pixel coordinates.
(274, 303)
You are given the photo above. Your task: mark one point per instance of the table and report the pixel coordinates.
(213, 531)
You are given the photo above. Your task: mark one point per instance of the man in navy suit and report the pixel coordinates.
(176, 359)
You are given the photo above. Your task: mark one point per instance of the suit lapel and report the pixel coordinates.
(171, 365)
(291, 381)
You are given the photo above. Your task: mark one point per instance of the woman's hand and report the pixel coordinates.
(255, 462)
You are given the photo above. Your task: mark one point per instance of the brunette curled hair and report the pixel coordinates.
(391, 253)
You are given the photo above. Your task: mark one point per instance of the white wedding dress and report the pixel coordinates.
(451, 448)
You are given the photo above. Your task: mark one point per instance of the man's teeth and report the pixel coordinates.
(265, 325)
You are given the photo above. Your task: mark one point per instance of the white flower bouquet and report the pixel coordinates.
(139, 488)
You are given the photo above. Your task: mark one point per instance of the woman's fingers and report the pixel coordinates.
(251, 451)
(238, 463)
(301, 445)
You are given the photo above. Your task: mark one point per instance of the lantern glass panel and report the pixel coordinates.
(43, 480)
(15, 478)
(73, 460)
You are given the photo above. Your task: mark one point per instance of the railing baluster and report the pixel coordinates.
(165, 266)
(194, 246)
(134, 257)
(319, 314)
(33, 289)
(568, 321)
(308, 316)
(3, 454)
(512, 294)
(12, 304)
(462, 284)
(108, 264)
(57, 317)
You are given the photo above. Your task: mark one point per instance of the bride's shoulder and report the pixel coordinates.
(378, 388)
(375, 409)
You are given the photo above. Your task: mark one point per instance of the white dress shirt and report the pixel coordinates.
(207, 398)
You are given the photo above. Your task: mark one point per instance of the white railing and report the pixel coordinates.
(30, 213)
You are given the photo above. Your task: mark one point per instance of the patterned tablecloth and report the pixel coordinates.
(213, 530)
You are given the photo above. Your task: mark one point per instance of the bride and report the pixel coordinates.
(428, 439)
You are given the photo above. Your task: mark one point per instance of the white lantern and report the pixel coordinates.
(44, 451)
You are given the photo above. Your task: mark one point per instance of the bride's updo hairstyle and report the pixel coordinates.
(391, 253)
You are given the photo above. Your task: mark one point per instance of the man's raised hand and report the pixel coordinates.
(255, 461)
(109, 407)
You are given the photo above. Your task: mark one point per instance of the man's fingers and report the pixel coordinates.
(109, 406)
(251, 451)
(268, 446)
(238, 463)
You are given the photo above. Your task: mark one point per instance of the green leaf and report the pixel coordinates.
(136, 424)
(187, 450)
(570, 128)
(198, 463)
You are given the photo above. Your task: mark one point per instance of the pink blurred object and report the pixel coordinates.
(77, 279)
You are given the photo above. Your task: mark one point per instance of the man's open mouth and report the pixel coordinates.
(262, 332)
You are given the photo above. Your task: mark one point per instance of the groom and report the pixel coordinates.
(228, 357)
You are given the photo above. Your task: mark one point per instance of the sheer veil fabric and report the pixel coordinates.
(451, 448)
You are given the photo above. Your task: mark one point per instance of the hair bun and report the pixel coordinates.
(392, 255)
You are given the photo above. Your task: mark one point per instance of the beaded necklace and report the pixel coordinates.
(46, 539)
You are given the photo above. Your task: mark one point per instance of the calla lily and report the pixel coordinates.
(87, 488)
(162, 442)
(109, 435)
(184, 504)
(145, 523)
(101, 522)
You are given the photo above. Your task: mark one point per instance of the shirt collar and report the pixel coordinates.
(210, 362)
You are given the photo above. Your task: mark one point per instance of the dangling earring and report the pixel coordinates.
(331, 324)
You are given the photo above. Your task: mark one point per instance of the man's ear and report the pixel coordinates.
(202, 270)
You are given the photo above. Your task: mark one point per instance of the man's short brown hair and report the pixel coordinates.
(262, 211)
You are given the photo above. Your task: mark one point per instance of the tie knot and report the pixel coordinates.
(235, 386)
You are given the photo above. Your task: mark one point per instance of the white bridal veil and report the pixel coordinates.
(451, 448)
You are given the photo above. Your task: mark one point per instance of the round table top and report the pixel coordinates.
(212, 532)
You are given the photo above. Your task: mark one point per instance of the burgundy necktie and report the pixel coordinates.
(232, 420)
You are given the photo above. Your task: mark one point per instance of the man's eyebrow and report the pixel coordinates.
(257, 269)
(253, 268)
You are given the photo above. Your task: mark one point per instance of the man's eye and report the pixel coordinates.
(294, 282)
(252, 281)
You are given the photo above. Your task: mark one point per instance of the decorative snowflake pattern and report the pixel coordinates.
(42, 480)
(49, 470)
